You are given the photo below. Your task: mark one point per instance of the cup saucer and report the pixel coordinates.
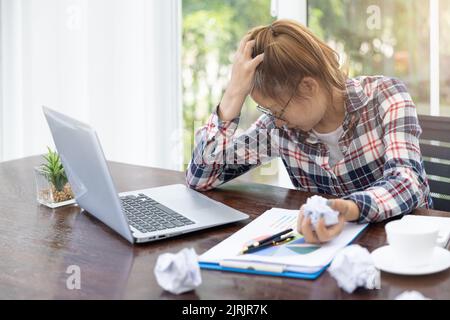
(383, 258)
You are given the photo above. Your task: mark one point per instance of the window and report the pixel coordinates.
(211, 33)
(399, 38)
(379, 37)
(443, 41)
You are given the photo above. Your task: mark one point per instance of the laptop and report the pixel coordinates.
(138, 216)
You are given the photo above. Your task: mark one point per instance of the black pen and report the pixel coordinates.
(276, 242)
(268, 239)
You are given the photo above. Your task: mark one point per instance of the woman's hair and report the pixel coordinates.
(291, 53)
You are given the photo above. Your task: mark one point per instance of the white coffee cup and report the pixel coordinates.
(412, 242)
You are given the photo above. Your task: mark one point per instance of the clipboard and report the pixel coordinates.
(267, 269)
(249, 269)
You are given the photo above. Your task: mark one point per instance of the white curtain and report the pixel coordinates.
(111, 63)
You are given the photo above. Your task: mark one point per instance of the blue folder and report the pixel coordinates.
(287, 274)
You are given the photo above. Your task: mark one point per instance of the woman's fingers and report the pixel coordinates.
(322, 233)
(243, 70)
(304, 227)
(300, 220)
(326, 234)
(248, 50)
(243, 43)
(307, 231)
(257, 61)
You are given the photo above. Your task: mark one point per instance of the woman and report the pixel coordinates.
(356, 139)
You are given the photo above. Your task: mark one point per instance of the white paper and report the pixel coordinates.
(353, 267)
(411, 295)
(295, 254)
(178, 273)
(316, 208)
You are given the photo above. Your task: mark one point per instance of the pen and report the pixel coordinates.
(268, 244)
(286, 236)
(268, 239)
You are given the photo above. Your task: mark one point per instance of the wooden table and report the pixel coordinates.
(38, 244)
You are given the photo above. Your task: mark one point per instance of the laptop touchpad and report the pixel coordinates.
(180, 198)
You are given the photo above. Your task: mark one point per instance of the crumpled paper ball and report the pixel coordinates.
(316, 207)
(411, 295)
(178, 273)
(353, 267)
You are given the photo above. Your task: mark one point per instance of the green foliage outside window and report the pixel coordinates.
(398, 47)
(211, 33)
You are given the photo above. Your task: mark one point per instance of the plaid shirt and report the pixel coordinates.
(382, 171)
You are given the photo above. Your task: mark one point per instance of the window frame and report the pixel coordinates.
(295, 10)
(435, 86)
(298, 10)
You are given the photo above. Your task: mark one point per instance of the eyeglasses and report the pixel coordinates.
(274, 115)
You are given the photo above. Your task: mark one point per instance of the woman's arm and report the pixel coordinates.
(404, 185)
(220, 155)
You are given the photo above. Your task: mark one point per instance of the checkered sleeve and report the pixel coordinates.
(403, 187)
(222, 153)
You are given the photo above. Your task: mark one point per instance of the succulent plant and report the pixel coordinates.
(54, 170)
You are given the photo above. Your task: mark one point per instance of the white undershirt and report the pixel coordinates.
(331, 140)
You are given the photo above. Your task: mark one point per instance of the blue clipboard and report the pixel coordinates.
(286, 274)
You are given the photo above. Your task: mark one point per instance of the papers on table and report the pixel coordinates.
(294, 256)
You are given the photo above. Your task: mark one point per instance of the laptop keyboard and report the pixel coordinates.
(148, 215)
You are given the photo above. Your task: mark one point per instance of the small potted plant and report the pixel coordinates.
(53, 188)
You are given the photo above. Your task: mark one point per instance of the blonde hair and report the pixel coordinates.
(291, 53)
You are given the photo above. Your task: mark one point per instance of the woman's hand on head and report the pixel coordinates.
(322, 233)
(242, 76)
(244, 67)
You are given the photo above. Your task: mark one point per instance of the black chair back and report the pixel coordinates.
(435, 146)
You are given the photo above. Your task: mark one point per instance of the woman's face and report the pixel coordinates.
(302, 113)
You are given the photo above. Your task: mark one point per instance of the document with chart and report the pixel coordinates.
(293, 256)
